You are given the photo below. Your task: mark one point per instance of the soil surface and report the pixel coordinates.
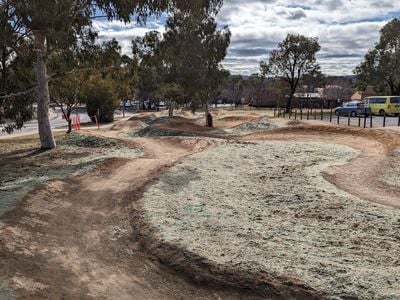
(265, 208)
(84, 237)
(73, 239)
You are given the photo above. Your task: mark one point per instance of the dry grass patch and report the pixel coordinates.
(24, 167)
(265, 209)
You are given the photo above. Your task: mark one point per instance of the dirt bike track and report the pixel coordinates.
(74, 239)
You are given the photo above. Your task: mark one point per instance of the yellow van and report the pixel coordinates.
(381, 105)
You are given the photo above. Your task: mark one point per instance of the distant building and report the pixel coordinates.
(360, 95)
(266, 98)
(307, 100)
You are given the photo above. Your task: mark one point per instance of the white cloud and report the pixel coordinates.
(125, 33)
(346, 29)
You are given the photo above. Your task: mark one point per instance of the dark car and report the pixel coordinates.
(354, 108)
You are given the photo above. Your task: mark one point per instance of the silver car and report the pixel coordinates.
(354, 108)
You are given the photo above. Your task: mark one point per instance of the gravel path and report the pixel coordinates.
(265, 208)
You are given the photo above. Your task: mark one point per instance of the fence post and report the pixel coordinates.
(348, 119)
(290, 114)
(365, 117)
(301, 114)
(308, 115)
(359, 120)
(295, 114)
(330, 115)
(322, 114)
(384, 119)
(338, 119)
(365, 121)
(370, 120)
(315, 114)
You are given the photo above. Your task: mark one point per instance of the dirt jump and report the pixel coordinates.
(255, 208)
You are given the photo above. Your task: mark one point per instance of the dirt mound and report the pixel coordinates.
(259, 124)
(174, 126)
(86, 141)
(179, 123)
(237, 118)
(128, 125)
(144, 117)
(387, 139)
(188, 114)
(157, 131)
(233, 120)
(294, 123)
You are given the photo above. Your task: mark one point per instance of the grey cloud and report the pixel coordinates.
(330, 4)
(248, 52)
(297, 14)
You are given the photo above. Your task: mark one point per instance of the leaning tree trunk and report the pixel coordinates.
(46, 136)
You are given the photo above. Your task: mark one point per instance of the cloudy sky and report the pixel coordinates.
(346, 29)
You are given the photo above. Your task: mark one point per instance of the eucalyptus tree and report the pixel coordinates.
(56, 24)
(256, 84)
(381, 65)
(193, 48)
(294, 58)
(126, 79)
(150, 68)
(236, 87)
(75, 67)
(15, 69)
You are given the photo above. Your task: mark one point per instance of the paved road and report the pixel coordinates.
(55, 122)
(377, 121)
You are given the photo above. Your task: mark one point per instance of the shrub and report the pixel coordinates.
(99, 94)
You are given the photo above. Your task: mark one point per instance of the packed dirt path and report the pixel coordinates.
(74, 240)
(360, 176)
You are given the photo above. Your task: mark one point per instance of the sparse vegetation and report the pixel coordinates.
(23, 168)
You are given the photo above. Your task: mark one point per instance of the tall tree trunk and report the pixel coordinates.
(171, 109)
(289, 101)
(207, 115)
(68, 118)
(69, 126)
(46, 136)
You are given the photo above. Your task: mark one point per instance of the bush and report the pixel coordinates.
(99, 94)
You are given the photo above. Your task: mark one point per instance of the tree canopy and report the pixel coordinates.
(381, 65)
(194, 48)
(294, 58)
(53, 24)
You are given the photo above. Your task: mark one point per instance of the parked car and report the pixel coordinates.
(354, 108)
(381, 105)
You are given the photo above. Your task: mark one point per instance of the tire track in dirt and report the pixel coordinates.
(74, 240)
